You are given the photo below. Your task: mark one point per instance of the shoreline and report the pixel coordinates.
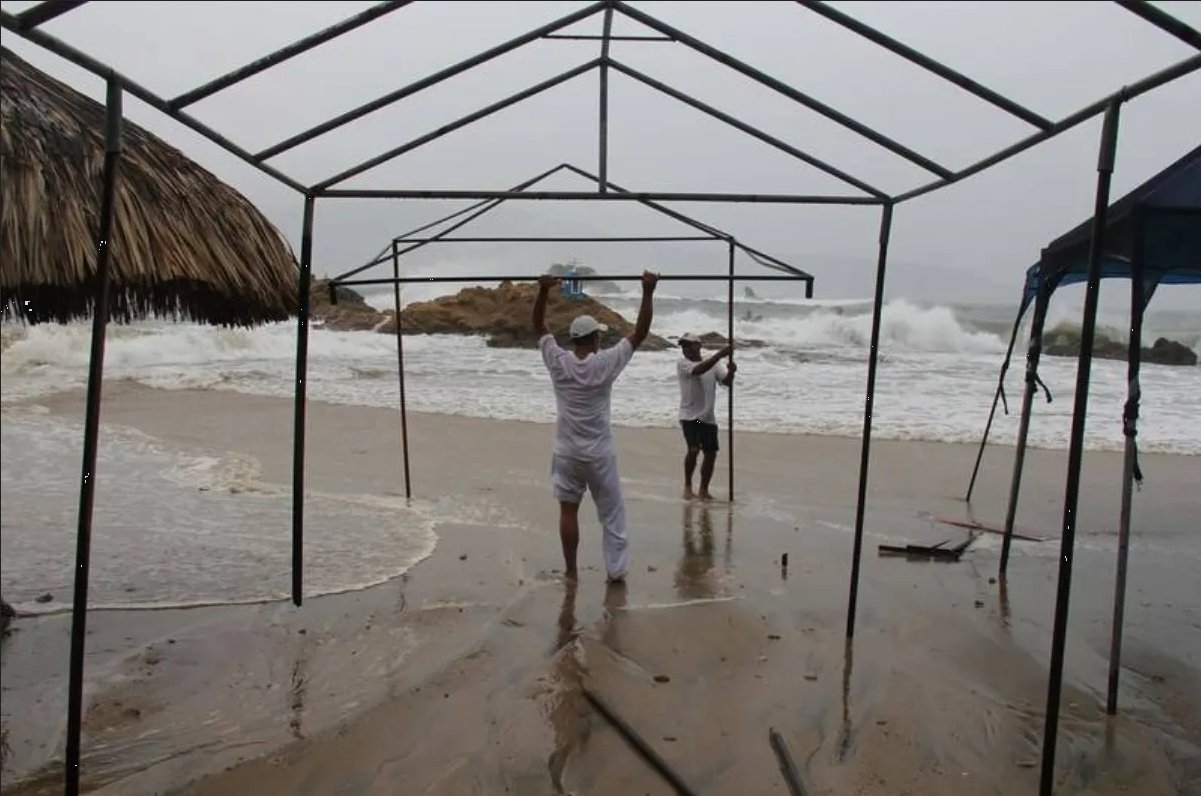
(403, 686)
(61, 403)
(995, 440)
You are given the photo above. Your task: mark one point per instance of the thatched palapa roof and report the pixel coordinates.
(185, 245)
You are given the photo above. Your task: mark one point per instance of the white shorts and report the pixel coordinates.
(570, 478)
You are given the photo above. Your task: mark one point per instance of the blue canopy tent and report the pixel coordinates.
(1166, 206)
(1152, 237)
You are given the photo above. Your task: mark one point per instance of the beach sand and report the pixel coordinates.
(466, 675)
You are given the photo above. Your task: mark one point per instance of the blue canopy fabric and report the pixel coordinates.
(1159, 223)
(1168, 207)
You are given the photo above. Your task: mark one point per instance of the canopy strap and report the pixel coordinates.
(1032, 378)
(1130, 426)
(1001, 386)
(1046, 391)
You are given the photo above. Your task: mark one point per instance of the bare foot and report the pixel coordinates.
(688, 493)
(571, 576)
(705, 496)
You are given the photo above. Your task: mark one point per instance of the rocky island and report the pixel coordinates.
(1063, 342)
(499, 314)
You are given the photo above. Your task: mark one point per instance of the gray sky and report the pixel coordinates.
(970, 241)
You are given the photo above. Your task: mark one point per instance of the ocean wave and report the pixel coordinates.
(936, 379)
(171, 349)
(904, 327)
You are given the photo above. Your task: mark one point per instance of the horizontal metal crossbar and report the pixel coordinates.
(570, 239)
(590, 278)
(594, 196)
(594, 37)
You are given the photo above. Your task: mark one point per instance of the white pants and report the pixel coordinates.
(571, 477)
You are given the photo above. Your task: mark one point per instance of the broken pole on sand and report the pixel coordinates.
(787, 767)
(658, 763)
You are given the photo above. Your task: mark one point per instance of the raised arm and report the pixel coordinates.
(705, 365)
(642, 327)
(545, 283)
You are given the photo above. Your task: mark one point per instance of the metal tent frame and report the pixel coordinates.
(476, 211)
(29, 23)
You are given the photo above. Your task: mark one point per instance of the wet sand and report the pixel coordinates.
(466, 674)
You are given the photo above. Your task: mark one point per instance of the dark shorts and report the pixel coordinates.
(700, 435)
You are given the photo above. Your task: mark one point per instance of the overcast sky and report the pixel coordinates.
(975, 237)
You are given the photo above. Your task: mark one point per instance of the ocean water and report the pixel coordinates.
(173, 518)
(938, 371)
(171, 528)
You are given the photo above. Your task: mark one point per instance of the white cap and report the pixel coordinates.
(689, 337)
(585, 325)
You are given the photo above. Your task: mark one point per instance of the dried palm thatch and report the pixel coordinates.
(185, 245)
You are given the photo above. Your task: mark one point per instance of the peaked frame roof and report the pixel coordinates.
(485, 206)
(29, 23)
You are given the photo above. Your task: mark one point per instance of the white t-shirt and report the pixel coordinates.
(698, 394)
(582, 390)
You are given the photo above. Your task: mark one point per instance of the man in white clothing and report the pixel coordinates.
(698, 417)
(583, 457)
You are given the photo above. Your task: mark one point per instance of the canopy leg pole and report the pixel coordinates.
(1129, 463)
(1119, 593)
(400, 370)
(1033, 355)
(1088, 328)
(299, 426)
(869, 398)
(996, 398)
(730, 389)
(91, 434)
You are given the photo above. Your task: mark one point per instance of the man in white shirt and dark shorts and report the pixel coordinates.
(698, 379)
(583, 459)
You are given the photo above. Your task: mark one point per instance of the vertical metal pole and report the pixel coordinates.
(1034, 350)
(302, 364)
(730, 389)
(1130, 426)
(865, 452)
(91, 433)
(400, 369)
(996, 398)
(602, 171)
(1088, 328)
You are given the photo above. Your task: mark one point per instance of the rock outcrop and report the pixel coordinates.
(500, 314)
(351, 313)
(712, 341)
(1169, 352)
(1066, 343)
